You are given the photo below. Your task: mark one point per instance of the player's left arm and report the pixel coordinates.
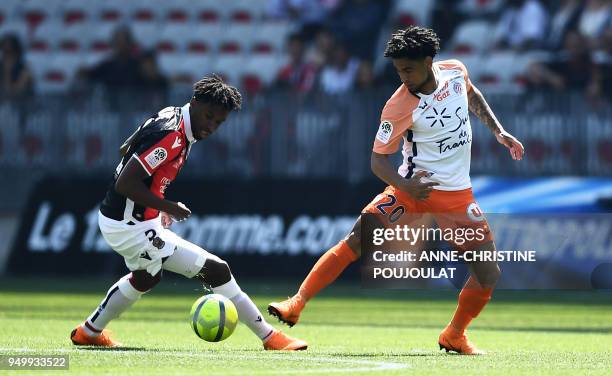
(479, 107)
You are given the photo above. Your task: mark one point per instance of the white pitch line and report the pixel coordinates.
(369, 365)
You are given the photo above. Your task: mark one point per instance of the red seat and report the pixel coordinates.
(110, 15)
(70, 46)
(252, 84)
(39, 45)
(263, 48)
(208, 15)
(463, 49)
(74, 16)
(166, 46)
(406, 19)
(241, 16)
(100, 46)
(197, 47)
(230, 47)
(35, 17)
(144, 15)
(177, 15)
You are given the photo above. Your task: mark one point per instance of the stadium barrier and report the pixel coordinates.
(280, 135)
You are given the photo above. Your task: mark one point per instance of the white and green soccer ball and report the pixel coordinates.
(213, 317)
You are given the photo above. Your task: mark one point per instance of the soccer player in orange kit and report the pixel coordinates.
(429, 112)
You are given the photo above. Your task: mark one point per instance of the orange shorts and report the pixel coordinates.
(449, 209)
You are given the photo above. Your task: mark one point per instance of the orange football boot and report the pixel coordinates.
(452, 340)
(288, 311)
(280, 341)
(80, 338)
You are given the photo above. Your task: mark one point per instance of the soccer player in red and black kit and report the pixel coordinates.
(134, 217)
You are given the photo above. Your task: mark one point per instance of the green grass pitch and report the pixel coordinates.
(350, 331)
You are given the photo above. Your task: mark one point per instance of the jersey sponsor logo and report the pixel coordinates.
(177, 143)
(384, 132)
(443, 94)
(156, 157)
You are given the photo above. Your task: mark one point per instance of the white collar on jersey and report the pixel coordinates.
(187, 121)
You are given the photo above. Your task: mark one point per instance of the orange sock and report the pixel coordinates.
(472, 300)
(327, 269)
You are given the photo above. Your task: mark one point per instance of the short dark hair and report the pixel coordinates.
(212, 89)
(414, 42)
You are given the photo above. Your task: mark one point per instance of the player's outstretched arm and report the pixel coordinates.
(130, 184)
(479, 107)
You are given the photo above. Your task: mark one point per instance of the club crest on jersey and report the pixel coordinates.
(458, 88)
(384, 132)
(156, 157)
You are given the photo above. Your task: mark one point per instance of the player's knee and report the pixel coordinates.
(143, 281)
(215, 272)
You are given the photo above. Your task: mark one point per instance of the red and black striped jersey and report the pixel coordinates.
(161, 145)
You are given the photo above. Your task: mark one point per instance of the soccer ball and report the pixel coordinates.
(213, 317)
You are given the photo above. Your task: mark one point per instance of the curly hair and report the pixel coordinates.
(212, 89)
(414, 42)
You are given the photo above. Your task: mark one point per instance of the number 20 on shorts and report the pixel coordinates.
(396, 213)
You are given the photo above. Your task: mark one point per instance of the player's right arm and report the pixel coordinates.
(395, 121)
(130, 184)
(382, 167)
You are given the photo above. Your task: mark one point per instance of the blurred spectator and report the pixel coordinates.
(365, 79)
(358, 23)
(308, 14)
(478, 7)
(321, 52)
(339, 75)
(298, 75)
(595, 18)
(15, 78)
(122, 68)
(445, 19)
(572, 69)
(603, 63)
(522, 26)
(154, 84)
(564, 19)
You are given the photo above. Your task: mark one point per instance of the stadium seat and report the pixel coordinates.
(36, 12)
(230, 66)
(176, 11)
(270, 35)
(503, 71)
(418, 11)
(265, 67)
(236, 39)
(146, 34)
(472, 37)
(185, 68)
(100, 36)
(144, 12)
(196, 39)
(78, 11)
(210, 11)
(113, 11)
